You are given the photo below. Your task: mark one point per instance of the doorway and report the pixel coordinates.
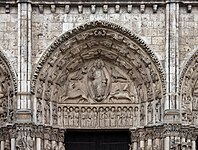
(97, 140)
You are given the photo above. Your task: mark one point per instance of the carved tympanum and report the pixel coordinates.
(95, 67)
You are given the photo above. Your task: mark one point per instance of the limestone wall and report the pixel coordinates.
(188, 33)
(48, 25)
(8, 33)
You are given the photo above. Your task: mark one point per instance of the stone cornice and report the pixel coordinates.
(101, 2)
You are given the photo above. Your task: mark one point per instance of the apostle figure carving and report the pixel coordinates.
(83, 117)
(107, 117)
(101, 117)
(76, 117)
(135, 118)
(71, 116)
(124, 116)
(98, 80)
(88, 119)
(60, 116)
(112, 117)
(66, 116)
(119, 117)
(130, 116)
(94, 117)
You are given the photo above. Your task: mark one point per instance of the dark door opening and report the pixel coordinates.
(97, 140)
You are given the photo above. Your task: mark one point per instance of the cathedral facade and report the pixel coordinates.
(73, 66)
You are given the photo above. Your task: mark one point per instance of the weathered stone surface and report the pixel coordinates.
(98, 65)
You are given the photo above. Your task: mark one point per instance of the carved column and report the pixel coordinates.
(172, 62)
(2, 140)
(149, 137)
(39, 137)
(194, 137)
(167, 134)
(61, 144)
(142, 138)
(157, 138)
(172, 15)
(167, 143)
(54, 138)
(134, 140)
(13, 138)
(24, 60)
(183, 139)
(47, 138)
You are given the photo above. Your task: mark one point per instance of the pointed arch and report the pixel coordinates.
(99, 63)
(189, 90)
(8, 89)
(10, 69)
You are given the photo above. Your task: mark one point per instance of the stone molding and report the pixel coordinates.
(189, 91)
(9, 68)
(186, 67)
(94, 25)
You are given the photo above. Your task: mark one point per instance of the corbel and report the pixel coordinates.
(53, 8)
(93, 9)
(80, 9)
(155, 7)
(117, 8)
(67, 9)
(41, 8)
(129, 8)
(189, 8)
(105, 8)
(7, 8)
(142, 8)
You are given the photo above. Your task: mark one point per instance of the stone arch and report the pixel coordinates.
(8, 89)
(98, 68)
(189, 91)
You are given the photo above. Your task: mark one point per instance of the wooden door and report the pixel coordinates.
(97, 140)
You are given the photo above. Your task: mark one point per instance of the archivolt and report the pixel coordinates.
(8, 89)
(189, 90)
(109, 40)
(8, 68)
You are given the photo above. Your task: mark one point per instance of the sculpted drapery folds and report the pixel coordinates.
(98, 69)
